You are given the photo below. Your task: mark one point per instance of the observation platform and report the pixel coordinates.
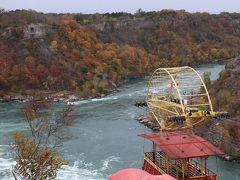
(181, 155)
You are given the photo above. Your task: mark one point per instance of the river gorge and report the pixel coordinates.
(104, 136)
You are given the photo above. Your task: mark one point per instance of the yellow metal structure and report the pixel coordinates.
(178, 98)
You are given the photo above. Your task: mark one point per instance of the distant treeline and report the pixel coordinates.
(92, 54)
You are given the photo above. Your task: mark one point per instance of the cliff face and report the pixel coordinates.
(118, 25)
(226, 90)
(225, 94)
(123, 31)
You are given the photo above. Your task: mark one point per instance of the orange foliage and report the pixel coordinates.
(188, 38)
(86, 44)
(90, 75)
(79, 60)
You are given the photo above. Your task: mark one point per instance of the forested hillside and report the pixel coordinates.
(93, 54)
(69, 57)
(175, 37)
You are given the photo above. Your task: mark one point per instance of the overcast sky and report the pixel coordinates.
(102, 6)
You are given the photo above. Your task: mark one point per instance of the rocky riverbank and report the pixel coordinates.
(146, 120)
(62, 96)
(55, 97)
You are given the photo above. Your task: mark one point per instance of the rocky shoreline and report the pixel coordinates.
(207, 133)
(63, 96)
(52, 97)
(145, 119)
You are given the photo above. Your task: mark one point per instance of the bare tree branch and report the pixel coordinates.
(37, 155)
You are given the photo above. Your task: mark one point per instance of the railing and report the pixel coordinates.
(195, 166)
(159, 163)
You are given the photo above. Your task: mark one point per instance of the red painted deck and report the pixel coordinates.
(179, 145)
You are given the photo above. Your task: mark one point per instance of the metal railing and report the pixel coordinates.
(160, 162)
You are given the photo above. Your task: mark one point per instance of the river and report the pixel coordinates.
(104, 135)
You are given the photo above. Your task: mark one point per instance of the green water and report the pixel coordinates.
(104, 136)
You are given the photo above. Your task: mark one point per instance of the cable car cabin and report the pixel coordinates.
(176, 154)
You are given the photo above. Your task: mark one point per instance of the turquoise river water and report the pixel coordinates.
(104, 137)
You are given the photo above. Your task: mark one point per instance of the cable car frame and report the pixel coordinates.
(178, 98)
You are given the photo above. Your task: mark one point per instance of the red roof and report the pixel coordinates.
(179, 145)
(138, 174)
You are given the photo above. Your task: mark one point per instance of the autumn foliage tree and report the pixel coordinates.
(37, 152)
(77, 57)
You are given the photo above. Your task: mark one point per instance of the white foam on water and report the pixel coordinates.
(106, 98)
(85, 171)
(79, 170)
(107, 161)
(79, 102)
(110, 97)
(6, 169)
(75, 172)
(6, 163)
(94, 100)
